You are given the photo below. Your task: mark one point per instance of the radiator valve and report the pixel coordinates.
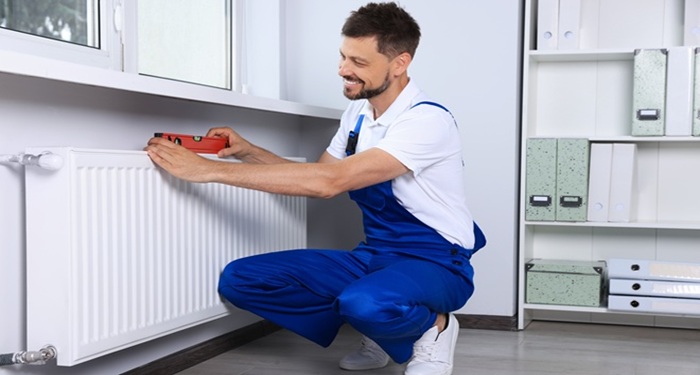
(40, 357)
(46, 160)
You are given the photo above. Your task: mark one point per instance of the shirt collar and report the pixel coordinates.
(399, 106)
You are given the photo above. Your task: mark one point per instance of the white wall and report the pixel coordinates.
(469, 60)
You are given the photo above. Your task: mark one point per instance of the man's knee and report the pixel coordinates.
(229, 282)
(362, 304)
(251, 279)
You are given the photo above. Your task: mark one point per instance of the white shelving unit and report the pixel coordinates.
(587, 93)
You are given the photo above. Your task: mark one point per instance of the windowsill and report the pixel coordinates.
(32, 66)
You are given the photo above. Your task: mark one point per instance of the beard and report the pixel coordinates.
(368, 93)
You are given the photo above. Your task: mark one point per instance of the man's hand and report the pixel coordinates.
(179, 161)
(243, 150)
(238, 146)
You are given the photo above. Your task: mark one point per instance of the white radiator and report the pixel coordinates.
(119, 252)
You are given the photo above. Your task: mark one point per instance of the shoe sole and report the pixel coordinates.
(362, 368)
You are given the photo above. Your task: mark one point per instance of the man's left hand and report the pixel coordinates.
(179, 161)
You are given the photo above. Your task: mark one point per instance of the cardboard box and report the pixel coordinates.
(565, 282)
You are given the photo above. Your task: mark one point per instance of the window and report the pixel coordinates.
(77, 31)
(74, 21)
(186, 40)
(183, 40)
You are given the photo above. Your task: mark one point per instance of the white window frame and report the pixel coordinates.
(118, 47)
(108, 55)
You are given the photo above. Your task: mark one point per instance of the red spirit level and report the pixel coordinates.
(195, 143)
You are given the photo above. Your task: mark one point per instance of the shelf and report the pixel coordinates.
(581, 55)
(586, 309)
(604, 310)
(32, 66)
(687, 225)
(587, 93)
(629, 139)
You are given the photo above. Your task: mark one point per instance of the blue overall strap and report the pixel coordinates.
(353, 137)
(436, 105)
(431, 103)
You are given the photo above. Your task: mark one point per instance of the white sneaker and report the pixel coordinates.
(434, 352)
(369, 356)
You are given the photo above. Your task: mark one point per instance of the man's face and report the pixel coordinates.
(365, 71)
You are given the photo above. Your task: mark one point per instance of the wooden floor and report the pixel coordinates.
(543, 348)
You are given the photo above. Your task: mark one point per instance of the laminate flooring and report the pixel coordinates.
(543, 348)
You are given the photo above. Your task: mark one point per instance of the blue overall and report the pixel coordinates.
(390, 287)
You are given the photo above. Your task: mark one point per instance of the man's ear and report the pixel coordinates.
(401, 63)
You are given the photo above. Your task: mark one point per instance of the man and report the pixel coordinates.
(399, 157)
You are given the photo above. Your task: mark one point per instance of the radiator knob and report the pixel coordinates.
(50, 161)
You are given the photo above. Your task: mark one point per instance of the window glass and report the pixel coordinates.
(186, 40)
(74, 21)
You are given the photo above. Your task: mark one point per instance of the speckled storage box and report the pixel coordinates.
(541, 179)
(573, 156)
(649, 92)
(563, 282)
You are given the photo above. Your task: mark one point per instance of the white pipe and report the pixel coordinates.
(45, 160)
(5, 159)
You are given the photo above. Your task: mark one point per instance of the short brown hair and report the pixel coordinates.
(396, 31)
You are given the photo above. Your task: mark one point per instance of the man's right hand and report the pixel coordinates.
(239, 147)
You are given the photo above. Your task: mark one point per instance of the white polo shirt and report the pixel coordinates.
(427, 141)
